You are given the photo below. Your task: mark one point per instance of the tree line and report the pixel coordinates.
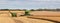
(33, 9)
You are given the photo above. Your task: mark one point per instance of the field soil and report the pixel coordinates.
(45, 13)
(5, 17)
(6, 20)
(21, 20)
(29, 20)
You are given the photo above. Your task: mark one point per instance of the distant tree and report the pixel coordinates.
(24, 9)
(32, 10)
(39, 9)
(57, 9)
(4, 9)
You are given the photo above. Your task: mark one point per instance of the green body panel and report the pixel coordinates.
(27, 12)
(13, 14)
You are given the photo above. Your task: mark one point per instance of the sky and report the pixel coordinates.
(29, 4)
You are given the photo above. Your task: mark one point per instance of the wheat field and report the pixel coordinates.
(5, 17)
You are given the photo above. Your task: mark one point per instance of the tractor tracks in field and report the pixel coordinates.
(45, 19)
(17, 21)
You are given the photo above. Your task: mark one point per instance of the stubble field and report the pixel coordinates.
(5, 17)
